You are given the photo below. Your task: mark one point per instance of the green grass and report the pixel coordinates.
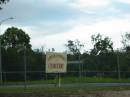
(5, 89)
(93, 80)
(84, 80)
(75, 80)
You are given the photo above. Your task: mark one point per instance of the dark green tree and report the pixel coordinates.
(15, 38)
(74, 47)
(14, 41)
(125, 56)
(101, 45)
(3, 2)
(126, 41)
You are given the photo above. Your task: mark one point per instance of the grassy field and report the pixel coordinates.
(73, 80)
(93, 80)
(5, 89)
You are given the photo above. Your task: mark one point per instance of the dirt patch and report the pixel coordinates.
(92, 94)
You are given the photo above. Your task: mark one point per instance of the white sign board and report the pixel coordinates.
(56, 62)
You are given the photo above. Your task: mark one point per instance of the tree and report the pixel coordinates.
(15, 38)
(126, 41)
(101, 45)
(3, 2)
(74, 47)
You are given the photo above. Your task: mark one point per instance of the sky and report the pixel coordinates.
(51, 23)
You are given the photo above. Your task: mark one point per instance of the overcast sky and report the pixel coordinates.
(51, 23)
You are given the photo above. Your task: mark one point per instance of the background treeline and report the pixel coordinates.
(102, 60)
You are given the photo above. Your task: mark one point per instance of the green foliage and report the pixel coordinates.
(126, 41)
(13, 62)
(15, 38)
(101, 45)
(100, 59)
(74, 49)
(3, 2)
(102, 62)
(15, 48)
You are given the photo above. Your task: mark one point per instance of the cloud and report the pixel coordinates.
(29, 12)
(53, 22)
(124, 1)
(90, 4)
(112, 28)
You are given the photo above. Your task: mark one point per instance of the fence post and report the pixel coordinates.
(25, 68)
(118, 64)
(79, 66)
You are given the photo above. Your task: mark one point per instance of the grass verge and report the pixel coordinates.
(75, 80)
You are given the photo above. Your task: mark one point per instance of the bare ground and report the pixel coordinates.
(91, 94)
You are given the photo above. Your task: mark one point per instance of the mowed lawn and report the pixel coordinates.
(65, 80)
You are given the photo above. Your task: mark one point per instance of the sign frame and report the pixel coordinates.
(56, 62)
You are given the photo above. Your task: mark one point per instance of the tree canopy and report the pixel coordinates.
(14, 38)
(74, 47)
(101, 45)
(126, 41)
(3, 2)
(101, 61)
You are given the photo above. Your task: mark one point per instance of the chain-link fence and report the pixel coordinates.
(20, 69)
(41, 78)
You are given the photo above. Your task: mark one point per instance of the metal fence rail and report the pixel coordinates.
(40, 77)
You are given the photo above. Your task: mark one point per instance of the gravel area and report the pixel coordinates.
(92, 94)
